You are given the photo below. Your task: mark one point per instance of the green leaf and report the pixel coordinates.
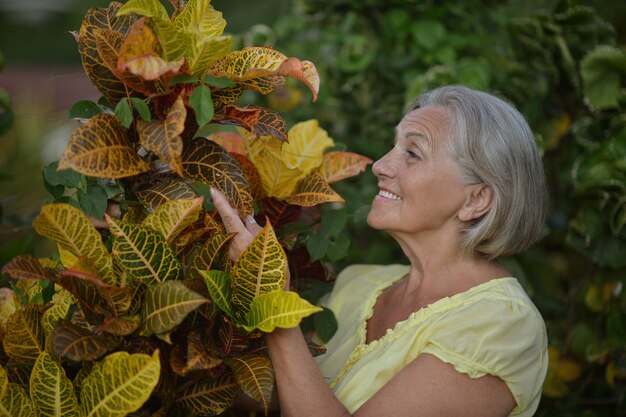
(149, 8)
(51, 390)
(65, 177)
(120, 384)
(602, 71)
(142, 108)
(84, 109)
(16, 402)
(183, 79)
(143, 252)
(616, 328)
(167, 304)
(124, 113)
(333, 221)
(325, 324)
(200, 101)
(219, 82)
(93, 201)
(283, 309)
(338, 248)
(318, 246)
(218, 284)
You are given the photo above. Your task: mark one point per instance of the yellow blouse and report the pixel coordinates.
(492, 328)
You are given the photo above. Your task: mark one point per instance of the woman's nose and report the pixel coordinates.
(383, 167)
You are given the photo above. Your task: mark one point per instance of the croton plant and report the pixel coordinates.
(142, 311)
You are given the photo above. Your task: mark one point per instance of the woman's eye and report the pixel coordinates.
(413, 155)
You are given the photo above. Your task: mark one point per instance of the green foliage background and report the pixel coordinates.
(563, 64)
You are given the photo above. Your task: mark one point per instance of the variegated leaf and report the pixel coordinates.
(75, 234)
(231, 141)
(100, 148)
(252, 174)
(260, 121)
(277, 179)
(24, 338)
(119, 384)
(25, 267)
(263, 69)
(167, 304)
(165, 191)
(283, 309)
(51, 390)
(337, 166)
(200, 16)
(208, 162)
(209, 397)
(218, 284)
(16, 403)
(4, 382)
(307, 142)
(95, 303)
(8, 305)
(278, 212)
(231, 340)
(173, 217)
(100, 74)
(57, 311)
(255, 376)
(143, 252)
(209, 252)
(139, 56)
(163, 136)
(313, 190)
(79, 344)
(260, 269)
(198, 356)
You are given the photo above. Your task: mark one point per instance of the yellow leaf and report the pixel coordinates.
(312, 191)
(200, 17)
(277, 179)
(119, 384)
(560, 371)
(143, 252)
(337, 166)
(100, 148)
(149, 8)
(163, 192)
(278, 309)
(51, 390)
(75, 234)
(305, 150)
(260, 269)
(4, 382)
(23, 341)
(57, 311)
(173, 217)
(7, 306)
(255, 376)
(16, 403)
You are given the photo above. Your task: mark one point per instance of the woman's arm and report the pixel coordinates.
(426, 387)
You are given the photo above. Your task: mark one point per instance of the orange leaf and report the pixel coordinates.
(100, 148)
(138, 54)
(163, 136)
(337, 166)
(312, 191)
(231, 141)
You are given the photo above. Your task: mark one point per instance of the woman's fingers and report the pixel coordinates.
(229, 215)
(233, 224)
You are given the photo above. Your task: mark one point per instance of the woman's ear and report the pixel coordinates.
(479, 201)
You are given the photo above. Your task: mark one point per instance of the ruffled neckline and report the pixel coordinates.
(415, 317)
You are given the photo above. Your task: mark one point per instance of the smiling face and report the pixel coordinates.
(420, 189)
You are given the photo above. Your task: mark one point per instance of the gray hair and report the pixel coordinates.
(493, 144)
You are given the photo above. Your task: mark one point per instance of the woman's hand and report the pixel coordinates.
(246, 230)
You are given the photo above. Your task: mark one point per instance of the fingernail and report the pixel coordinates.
(212, 191)
(250, 219)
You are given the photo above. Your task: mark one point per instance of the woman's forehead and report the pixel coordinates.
(430, 121)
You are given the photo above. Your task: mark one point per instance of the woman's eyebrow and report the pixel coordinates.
(418, 137)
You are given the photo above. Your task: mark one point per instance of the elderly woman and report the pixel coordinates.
(452, 333)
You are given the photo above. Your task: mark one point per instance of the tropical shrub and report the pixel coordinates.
(141, 311)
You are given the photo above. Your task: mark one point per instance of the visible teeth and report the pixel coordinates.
(387, 194)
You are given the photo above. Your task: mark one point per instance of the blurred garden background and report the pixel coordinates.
(562, 63)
